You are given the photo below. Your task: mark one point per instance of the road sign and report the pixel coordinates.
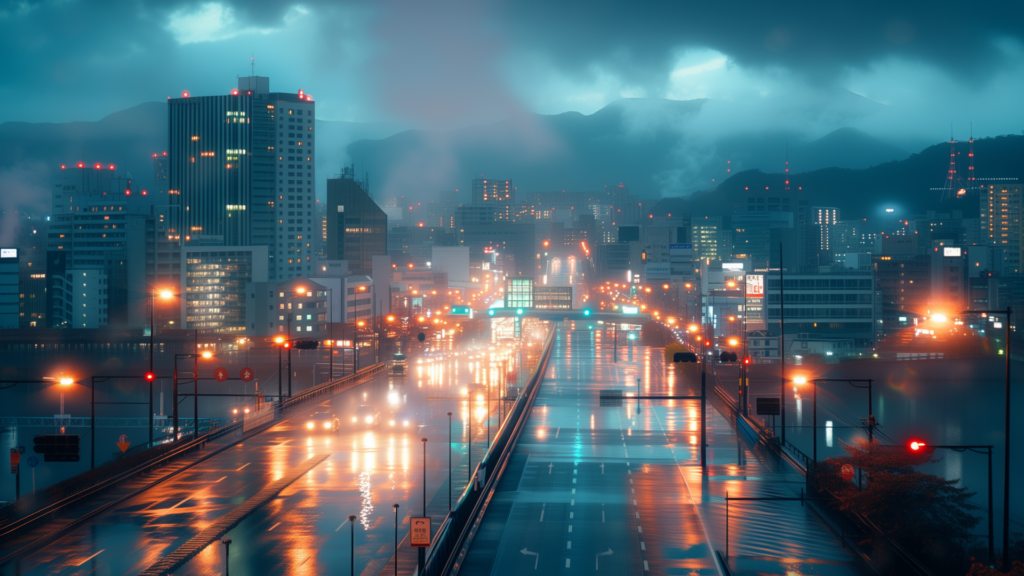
(630, 309)
(15, 460)
(123, 443)
(57, 447)
(247, 374)
(768, 407)
(220, 374)
(461, 311)
(420, 532)
(847, 472)
(32, 461)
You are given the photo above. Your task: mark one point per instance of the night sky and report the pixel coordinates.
(444, 64)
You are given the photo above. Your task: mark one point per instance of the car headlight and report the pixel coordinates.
(465, 391)
(369, 419)
(309, 425)
(392, 422)
(354, 419)
(327, 425)
(479, 397)
(405, 423)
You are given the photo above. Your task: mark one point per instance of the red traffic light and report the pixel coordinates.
(707, 342)
(916, 445)
(150, 376)
(746, 360)
(287, 344)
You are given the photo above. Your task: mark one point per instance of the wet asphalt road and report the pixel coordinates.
(305, 529)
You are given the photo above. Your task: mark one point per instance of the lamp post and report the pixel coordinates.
(352, 544)
(782, 349)
(280, 341)
(227, 554)
(422, 552)
(1006, 440)
(916, 446)
(395, 506)
(449, 462)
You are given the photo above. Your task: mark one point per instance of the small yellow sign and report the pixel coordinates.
(420, 535)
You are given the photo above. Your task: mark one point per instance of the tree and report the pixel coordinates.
(926, 514)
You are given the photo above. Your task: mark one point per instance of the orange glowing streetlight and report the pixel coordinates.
(731, 283)
(301, 289)
(692, 328)
(207, 354)
(166, 294)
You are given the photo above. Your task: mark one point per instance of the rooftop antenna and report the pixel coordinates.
(970, 158)
(252, 64)
(787, 165)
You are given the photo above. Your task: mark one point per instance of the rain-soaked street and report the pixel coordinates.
(362, 470)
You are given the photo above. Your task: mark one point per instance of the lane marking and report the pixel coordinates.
(573, 490)
(602, 515)
(342, 526)
(566, 562)
(640, 529)
(646, 568)
(274, 526)
(637, 514)
(536, 556)
(643, 546)
(91, 557)
(221, 478)
(285, 442)
(542, 507)
(572, 502)
(570, 527)
(243, 466)
(568, 544)
(180, 503)
(550, 466)
(557, 431)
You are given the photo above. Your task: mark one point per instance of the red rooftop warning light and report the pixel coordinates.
(185, 94)
(234, 92)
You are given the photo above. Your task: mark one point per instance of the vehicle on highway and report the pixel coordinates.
(366, 416)
(474, 391)
(401, 419)
(323, 422)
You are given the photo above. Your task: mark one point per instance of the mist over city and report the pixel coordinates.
(337, 287)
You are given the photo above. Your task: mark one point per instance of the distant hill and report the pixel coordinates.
(656, 147)
(905, 185)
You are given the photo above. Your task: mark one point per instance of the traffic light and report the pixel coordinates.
(287, 344)
(746, 360)
(917, 445)
(490, 312)
(57, 447)
(150, 376)
(586, 312)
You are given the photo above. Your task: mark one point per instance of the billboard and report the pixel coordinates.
(658, 270)
(8, 252)
(951, 252)
(755, 286)
(685, 250)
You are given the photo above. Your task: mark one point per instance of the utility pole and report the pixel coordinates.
(782, 348)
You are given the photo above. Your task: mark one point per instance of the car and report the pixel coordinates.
(474, 391)
(323, 422)
(366, 416)
(401, 419)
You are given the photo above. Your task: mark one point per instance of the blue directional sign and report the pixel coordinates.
(32, 461)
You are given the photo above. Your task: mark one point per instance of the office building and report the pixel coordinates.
(498, 194)
(824, 312)
(357, 229)
(9, 279)
(552, 297)
(1001, 205)
(213, 285)
(241, 172)
(903, 281)
(824, 220)
(103, 227)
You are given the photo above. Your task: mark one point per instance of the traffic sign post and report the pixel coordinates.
(220, 374)
(246, 374)
(123, 443)
(420, 532)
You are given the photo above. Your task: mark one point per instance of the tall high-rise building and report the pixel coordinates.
(500, 194)
(241, 169)
(824, 219)
(1001, 213)
(8, 288)
(357, 229)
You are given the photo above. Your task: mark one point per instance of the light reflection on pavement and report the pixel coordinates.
(304, 529)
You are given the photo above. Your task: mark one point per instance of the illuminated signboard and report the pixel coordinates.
(755, 286)
(732, 265)
(952, 252)
(630, 310)
(8, 252)
(461, 311)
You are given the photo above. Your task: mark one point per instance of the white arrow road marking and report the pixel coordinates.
(550, 466)
(598, 556)
(602, 467)
(557, 430)
(536, 556)
(542, 507)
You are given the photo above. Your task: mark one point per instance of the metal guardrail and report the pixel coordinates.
(454, 536)
(84, 422)
(42, 504)
(852, 529)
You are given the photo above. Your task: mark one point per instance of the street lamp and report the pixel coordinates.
(1006, 446)
(917, 446)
